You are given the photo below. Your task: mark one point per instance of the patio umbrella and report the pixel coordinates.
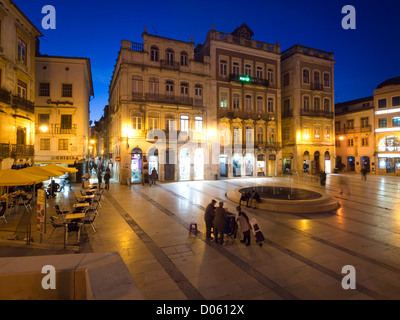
(10, 178)
(41, 171)
(60, 168)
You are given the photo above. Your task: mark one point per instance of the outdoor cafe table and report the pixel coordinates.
(68, 218)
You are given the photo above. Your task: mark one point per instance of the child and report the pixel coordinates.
(244, 225)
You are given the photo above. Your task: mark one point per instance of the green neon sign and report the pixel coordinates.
(245, 78)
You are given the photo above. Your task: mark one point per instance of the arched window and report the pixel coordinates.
(327, 105)
(154, 53)
(306, 103)
(169, 57)
(184, 59)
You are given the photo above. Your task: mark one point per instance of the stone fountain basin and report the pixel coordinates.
(302, 200)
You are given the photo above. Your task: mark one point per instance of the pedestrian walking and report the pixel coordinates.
(107, 180)
(99, 178)
(322, 176)
(209, 216)
(221, 216)
(343, 185)
(244, 223)
(364, 174)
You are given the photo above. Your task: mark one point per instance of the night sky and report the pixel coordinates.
(94, 29)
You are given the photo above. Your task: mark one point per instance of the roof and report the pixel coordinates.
(389, 82)
(352, 102)
(39, 34)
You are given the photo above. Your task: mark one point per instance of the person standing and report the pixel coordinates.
(107, 180)
(209, 216)
(219, 222)
(255, 197)
(153, 176)
(244, 223)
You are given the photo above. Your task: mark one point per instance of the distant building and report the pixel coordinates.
(307, 110)
(64, 89)
(18, 46)
(354, 130)
(368, 131)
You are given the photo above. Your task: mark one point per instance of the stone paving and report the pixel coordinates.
(302, 256)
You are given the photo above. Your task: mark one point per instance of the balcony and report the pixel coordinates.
(354, 130)
(316, 86)
(316, 113)
(16, 150)
(243, 114)
(5, 96)
(248, 80)
(21, 103)
(287, 114)
(167, 64)
(170, 99)
(57, 129)
(137, 46)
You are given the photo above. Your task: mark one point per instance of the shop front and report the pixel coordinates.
(136, 165)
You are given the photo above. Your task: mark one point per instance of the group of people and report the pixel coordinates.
(216, 219)
(250, 196)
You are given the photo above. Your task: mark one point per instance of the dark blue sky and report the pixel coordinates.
(364, 57)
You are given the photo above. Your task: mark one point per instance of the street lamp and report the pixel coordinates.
(44, 128)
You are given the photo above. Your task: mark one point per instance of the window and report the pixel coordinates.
(317, 132)
(249, 134)
(66, 121)
(185, 123)
(169, 57)
(154, 53)
(337, 126)
(260, 104)
(22, 89)
(364, 142)
(137, 122)
(184, 89)
(22, 51)
(382, 103)
(306, 132)
(236, 135)
(153, 86)
(382, 123)
(248, 102)
(223, 100)
(306, 103)
(66, 90)
(286, 133)
(271, 135)
(170, 123)
(184, 59)
(317, 104)
(137, 85)
(198, 124)
(235, 68)
(396, 121)
(316, 77)
(259, 72)
(236, 101)
(271, 107)
(350, 124)
(260, 135)
(153, 123)
(327, 132)
(395, 101)
(326, 79)
(306, 76)
(364, 122)
(350, 142)
(45, 144)
(271, 76)
(44, 89)
(337, 143)
(286, 107)
(327, 105)
(43, 118)
(169, 88)
(222, 68)
(62, 144)
(198, 94)
(286, 79)
(247, 70)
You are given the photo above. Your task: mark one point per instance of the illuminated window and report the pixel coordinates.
(185, 123)
(396, 121)
(223, 99)
(198, 124)
(236, 101)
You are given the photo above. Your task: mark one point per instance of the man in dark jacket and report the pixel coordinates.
(255, 197)
(209, 218)
(221, 215)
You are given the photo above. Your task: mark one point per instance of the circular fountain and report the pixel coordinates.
(286, 199)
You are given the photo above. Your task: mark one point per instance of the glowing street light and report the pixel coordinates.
(44, 129)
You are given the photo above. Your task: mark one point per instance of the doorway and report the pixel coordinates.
(199, 164)
(169, 166)
(223, 166)
(136, 165)
(184, 164)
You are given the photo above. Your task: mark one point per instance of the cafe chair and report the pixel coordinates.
(26, 202)
(56, 222)
(59, 211)
(2, 212)
(73, 226)
(90, 218)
